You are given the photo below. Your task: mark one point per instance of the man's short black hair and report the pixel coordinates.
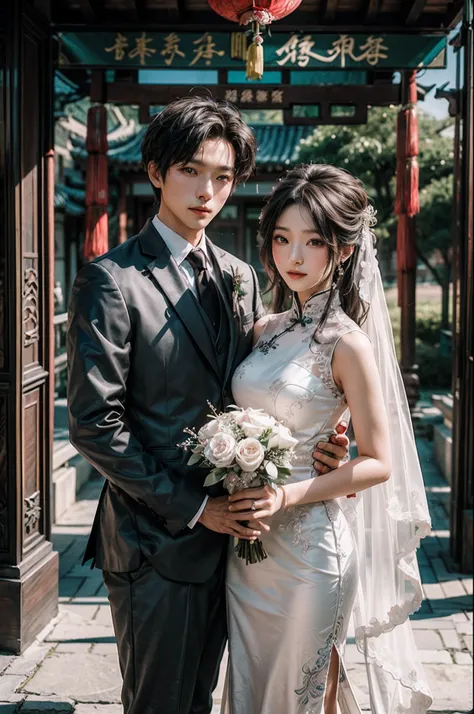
(176, 133)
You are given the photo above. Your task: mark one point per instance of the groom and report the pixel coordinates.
(156, 328)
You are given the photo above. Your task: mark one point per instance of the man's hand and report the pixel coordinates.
(217, 517)
(329, 454)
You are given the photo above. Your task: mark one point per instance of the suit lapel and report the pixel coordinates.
(225, 283)
(167, 277)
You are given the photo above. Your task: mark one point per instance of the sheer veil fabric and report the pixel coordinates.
(388, 521)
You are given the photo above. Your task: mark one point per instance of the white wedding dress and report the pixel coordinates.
(287, 613)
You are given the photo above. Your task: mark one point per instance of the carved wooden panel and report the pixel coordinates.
(30, 307)
(3, 476)
(31, 460)
(32, 512)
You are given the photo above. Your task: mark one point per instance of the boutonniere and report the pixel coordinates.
(238, 291)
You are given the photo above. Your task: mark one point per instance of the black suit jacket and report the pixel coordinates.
(142, 367)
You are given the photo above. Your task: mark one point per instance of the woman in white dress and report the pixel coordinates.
(329, 557)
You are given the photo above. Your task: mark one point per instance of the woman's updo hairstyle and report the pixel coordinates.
(337, 203)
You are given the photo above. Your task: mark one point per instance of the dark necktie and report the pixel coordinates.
(206, 287)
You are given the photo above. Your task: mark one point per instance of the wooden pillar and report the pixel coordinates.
(463, 323)
(407, 197)
(28, 565)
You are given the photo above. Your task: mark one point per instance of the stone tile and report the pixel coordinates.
(453, 588)
(8, 708)
(463, 628)
(104, 616)
(434, 623)
(5, 661)
(68, 587)
(76, 628)
(99, 709)
(108, 649)
(435, 657)
(87, 612)
(446, 605)
(467, 585)
(84, 677)
(461, 617)
(468, 641)
(47, 705)
(451, 686)
(433, 591)
(79, 648)
(9, 683)
(26, 663)
(90, 586)
(463, 658)
(428, 640)
(451, 639)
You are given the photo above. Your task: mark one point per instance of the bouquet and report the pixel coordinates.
(244, 448)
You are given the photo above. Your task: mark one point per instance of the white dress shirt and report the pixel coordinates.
(180, 248)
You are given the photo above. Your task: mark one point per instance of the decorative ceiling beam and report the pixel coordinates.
(176, 11)
(89, 10)
(414, 11)
(140, 9)
(329, 9)
(371, 9)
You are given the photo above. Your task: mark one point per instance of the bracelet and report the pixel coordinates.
(283, 500)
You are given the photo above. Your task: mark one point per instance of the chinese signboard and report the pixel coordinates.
(227, 50)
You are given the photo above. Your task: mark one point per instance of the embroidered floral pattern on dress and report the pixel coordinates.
(314, 678)
(266, 345)
(293, 522)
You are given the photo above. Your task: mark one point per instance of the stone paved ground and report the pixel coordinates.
(72, 667)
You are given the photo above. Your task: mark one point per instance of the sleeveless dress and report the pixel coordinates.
(286, 613)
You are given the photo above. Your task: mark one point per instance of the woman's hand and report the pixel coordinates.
(253, 504)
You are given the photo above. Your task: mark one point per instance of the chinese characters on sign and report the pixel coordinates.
(297, 51)
(300, 51)
(205, 49)
(255, 96)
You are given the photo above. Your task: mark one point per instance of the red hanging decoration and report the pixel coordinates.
(260, 14)
(407, 194)
(263, 11)
(97, 185)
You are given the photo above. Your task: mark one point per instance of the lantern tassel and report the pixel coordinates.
(255, 60)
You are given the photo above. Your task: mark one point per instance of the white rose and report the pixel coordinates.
(239, 416)
(255, 422)
(249, 455)
(208, 430)
(220, 450)
(281, 438)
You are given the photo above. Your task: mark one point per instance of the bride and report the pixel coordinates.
(328, 356)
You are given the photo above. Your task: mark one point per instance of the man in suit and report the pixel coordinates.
(156, 328)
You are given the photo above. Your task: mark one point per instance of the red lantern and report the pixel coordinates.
(260, 14)
(97, 189)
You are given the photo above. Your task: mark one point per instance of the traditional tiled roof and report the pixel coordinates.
(278, 147)
(70, 200)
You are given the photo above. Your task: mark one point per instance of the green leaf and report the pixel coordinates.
(195, 459)
(214, 477)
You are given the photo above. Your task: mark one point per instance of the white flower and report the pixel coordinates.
(220, 450)
(208, 430)
(254, 422)
(281, 438)
(367, 273)
(249, 455)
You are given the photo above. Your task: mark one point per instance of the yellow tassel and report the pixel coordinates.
(255, 56)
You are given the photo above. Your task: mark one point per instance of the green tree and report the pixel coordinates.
(369, 152)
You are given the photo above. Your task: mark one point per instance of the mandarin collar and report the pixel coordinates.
(314, 306)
